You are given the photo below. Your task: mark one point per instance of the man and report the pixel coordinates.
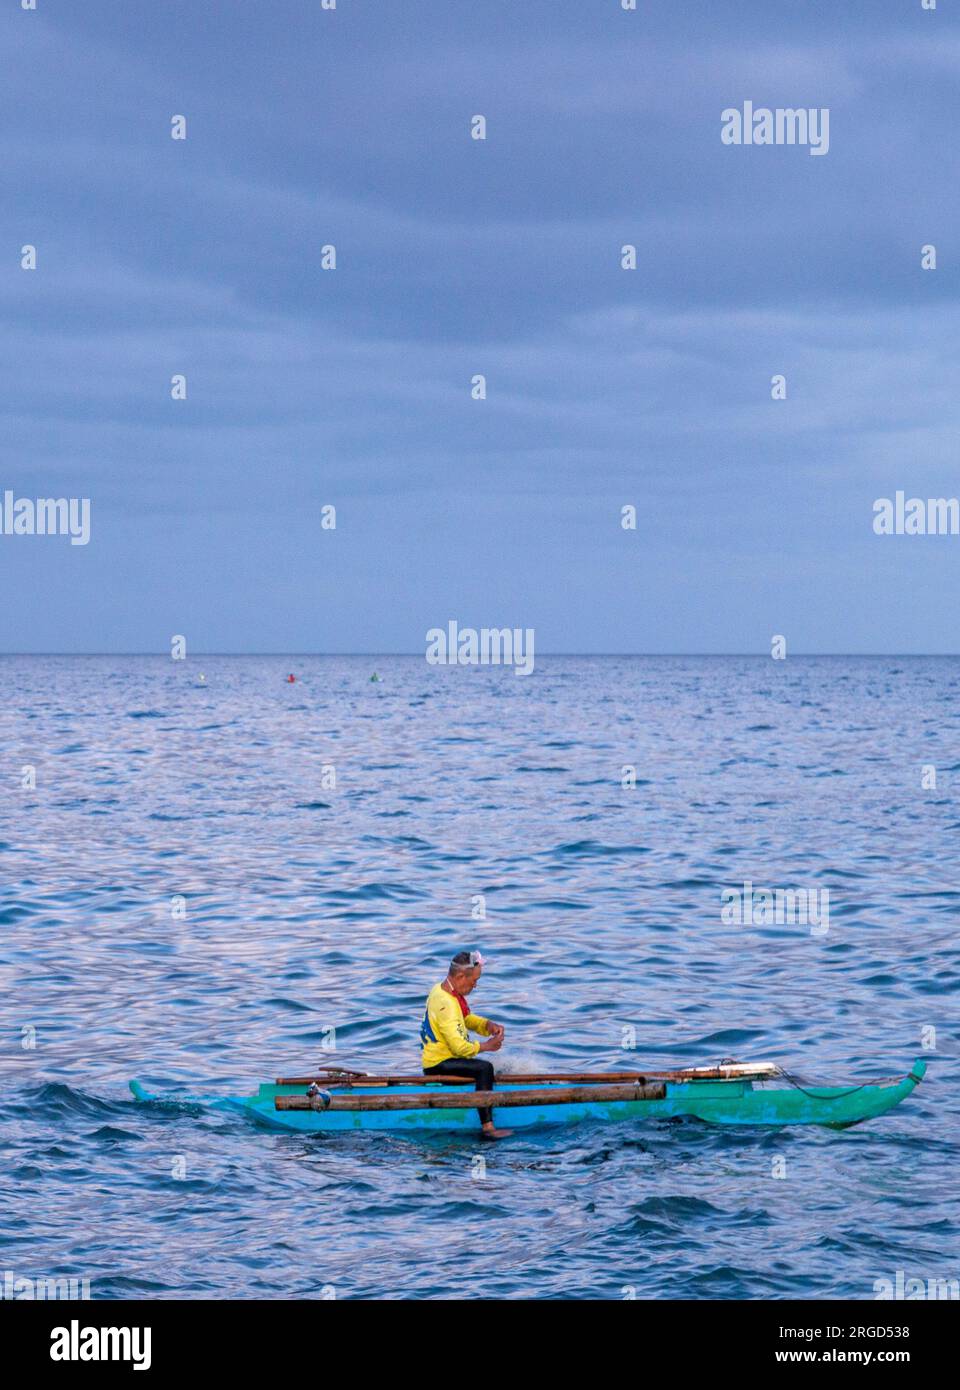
(445, 1034)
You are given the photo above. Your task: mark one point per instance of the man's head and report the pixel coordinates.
(465, 970)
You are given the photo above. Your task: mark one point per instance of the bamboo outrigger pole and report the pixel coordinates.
(473, 1100)
(731, 1071)
(349, 1079)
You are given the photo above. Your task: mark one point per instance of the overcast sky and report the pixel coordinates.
(455, 257)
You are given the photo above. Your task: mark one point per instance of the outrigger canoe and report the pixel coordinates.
(731, 1093)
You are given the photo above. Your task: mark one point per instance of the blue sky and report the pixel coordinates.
(457, 257)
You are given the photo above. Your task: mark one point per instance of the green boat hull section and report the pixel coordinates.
(715, 1102)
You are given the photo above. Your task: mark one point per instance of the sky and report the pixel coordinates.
(458, 257)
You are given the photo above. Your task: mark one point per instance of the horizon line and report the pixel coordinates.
(766, 656)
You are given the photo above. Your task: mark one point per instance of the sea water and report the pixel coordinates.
(208, 883)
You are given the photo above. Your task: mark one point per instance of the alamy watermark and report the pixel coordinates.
(916, 516)
(20, 1287)
(783, 125)
(76, 1343)
(491, 646)
(776, 907)
(910, 1287)
(45, 516)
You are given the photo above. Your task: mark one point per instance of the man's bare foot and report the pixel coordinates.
(488, 1132)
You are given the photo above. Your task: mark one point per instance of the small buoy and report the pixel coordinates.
(202, 678)
(375, 677)
(291, 678)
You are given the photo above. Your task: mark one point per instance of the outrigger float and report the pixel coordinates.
(730, 1093)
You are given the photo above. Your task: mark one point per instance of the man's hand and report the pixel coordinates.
(495, 1030)
(493, 1044)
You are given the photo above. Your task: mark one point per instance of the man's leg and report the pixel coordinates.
(476, 1067)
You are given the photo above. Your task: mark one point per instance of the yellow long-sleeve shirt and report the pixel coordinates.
(444, 1030)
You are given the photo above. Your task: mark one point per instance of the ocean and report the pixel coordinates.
(212, 876)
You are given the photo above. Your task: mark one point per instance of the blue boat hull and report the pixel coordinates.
(735, 1102)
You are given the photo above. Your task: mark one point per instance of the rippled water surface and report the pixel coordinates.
(310, 907)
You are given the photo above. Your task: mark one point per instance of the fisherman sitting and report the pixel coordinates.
(447, 1024)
